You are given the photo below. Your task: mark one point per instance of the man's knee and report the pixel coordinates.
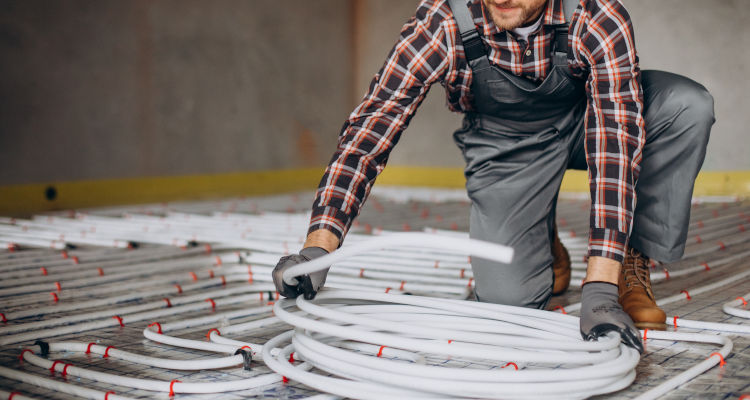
(690, 104)
(514, 289)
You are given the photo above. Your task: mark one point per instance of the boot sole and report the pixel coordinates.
(651, 325)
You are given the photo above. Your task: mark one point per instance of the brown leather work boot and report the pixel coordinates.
(636, 296)
(560, 266)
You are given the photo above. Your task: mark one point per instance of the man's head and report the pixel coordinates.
(511, 14)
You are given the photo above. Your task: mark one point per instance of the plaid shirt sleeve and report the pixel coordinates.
(603, 41)
(420, 58)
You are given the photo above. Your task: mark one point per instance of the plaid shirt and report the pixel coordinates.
(601, 50)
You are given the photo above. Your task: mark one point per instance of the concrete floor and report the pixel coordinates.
(723, 228)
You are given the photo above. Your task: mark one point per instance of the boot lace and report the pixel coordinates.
(636, 273)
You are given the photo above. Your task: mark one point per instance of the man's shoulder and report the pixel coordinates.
(433, 14)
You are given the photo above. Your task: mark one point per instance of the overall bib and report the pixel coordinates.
(522, 138)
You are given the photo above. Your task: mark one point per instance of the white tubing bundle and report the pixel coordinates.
(501, 335)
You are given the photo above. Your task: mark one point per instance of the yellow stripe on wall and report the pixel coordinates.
(19, 200)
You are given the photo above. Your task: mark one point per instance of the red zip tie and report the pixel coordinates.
(674, 321)
(270, 303)
(250, 273)
(666, 273)
(44, 271)
(260, 294)
(218, 261)
(361, 272)
(744, 302)
(380, 351)
(101, 271)
(14, 394)
(223, 281)
(645, 332)
(470, 281)
(276, 295)
(106, 395)
(208, 248)
(106, 351)
(722, 246)
(179, 288)
(463, 273)
(54, 297)
(705, 265)
(171, 387)
(194, 276)
(246, 347)
(387, 289)
(20, 358)
(511, 363)
(210, 273)
(687, 295)
(3, 317)
(119, 319)
(64, 372)
(698, 239)
(401, 288)
(57, 285)
(450, 341)
(64, 254)
(743, 397)
(285, 379)
(213, 304)
(208, 335)
(157, 325)
(52, 368)
(88, 348)
(75, 259)
(169, 303)
(561, 308)
(291, 357)
(721, 358)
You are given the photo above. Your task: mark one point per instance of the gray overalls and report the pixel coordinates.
(522, 138)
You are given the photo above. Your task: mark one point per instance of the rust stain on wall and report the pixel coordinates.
(306, 145)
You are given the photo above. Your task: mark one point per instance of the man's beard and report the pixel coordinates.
(510, 23)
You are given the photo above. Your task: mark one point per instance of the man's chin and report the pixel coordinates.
(507, 24)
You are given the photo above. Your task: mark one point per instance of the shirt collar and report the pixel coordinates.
(552, 15)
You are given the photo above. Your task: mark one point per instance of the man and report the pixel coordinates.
(545, 85)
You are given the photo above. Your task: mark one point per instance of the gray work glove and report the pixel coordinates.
(307, 285)
(601, 313)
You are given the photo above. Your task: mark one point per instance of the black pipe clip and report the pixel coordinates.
(44, 346)
(247, 355)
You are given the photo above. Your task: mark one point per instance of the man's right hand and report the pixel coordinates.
(307, 285)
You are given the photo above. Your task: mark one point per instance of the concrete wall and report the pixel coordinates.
(706, 42)
(94, 89)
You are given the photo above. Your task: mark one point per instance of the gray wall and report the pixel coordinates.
(706, 41)
(95, 89)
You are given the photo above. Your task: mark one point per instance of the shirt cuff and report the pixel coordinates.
(330, 218)
(607, 243)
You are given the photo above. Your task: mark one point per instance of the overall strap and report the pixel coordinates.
(473, 46)
(560, 49)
